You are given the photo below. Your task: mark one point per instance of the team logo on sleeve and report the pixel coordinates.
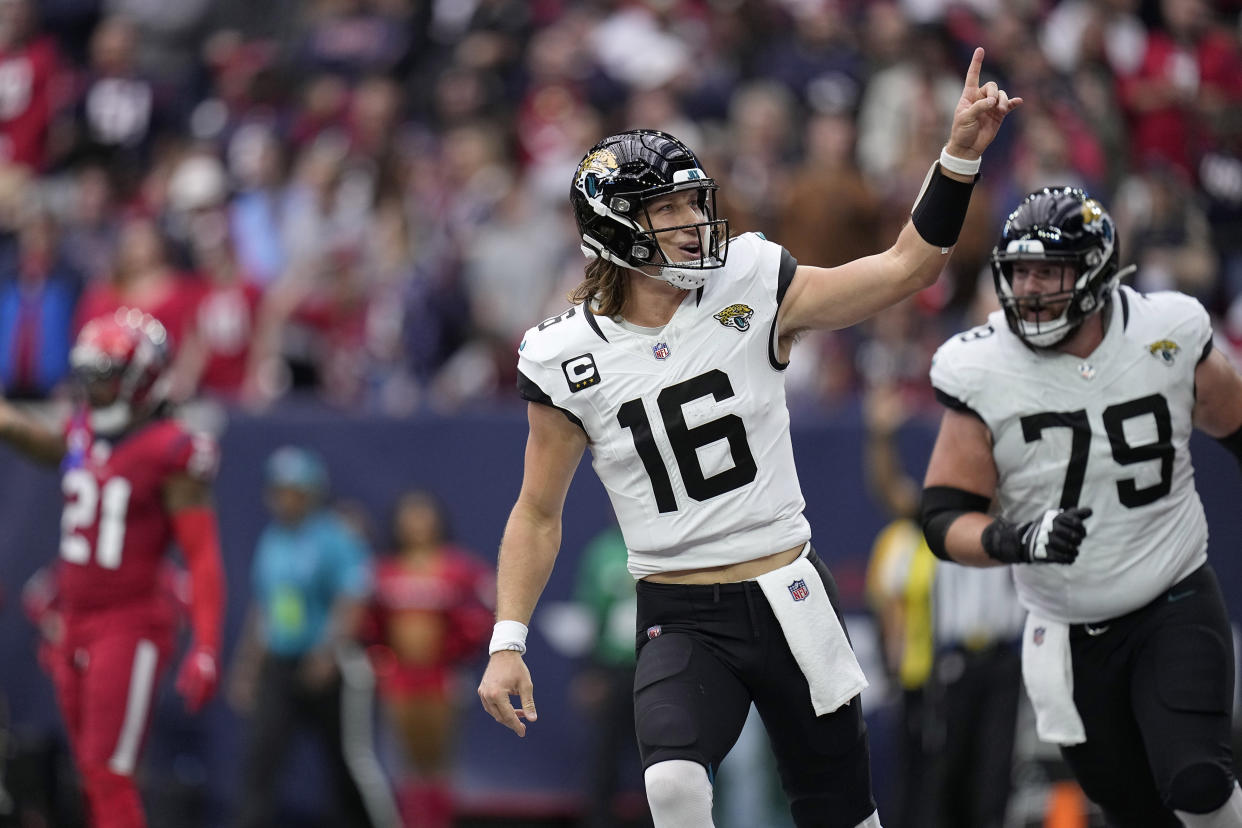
(580, 372)
(798, 589)
(736, 316)
(1165, 350)
(660, 349)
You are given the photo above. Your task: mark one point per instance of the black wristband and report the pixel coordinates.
(939, 213)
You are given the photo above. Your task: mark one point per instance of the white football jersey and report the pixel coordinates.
(687, 424)
(1110, 432)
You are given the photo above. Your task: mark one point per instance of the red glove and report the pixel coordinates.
(196, 680)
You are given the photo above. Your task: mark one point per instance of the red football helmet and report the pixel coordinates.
(120, 361)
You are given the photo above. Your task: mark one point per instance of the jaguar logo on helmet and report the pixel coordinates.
(596, 166)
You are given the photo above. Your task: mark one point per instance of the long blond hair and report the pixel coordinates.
(606, 283)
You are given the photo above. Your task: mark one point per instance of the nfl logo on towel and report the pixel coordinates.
(1038, 636)
(798, 590)
(660, 349)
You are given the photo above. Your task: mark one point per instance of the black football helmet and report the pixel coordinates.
(1062, 225)
(612, 187)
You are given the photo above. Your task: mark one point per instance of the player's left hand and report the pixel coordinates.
(196, 680)
(979, 113)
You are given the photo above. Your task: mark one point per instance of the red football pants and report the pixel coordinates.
(105, 685)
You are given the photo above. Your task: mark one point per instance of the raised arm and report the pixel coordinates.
(29, 436)
(842, 296)
(527, 553)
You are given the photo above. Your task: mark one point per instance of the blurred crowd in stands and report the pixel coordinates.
(366, 200)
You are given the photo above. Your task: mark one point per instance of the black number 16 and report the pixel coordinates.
(686, 441)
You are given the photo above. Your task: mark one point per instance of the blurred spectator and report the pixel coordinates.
(119, 109)
(299, 664)
(38, 292)
(92, 225)
(1190, 77)
(143, 278)
(356, 37)
(222, 352)
(29, 95)
(904, 102)
(433, 608)
(256, 162)
(1163, 230)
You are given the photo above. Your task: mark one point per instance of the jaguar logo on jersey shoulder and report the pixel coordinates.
(580, 372)
(736, 316)
(1164, 350)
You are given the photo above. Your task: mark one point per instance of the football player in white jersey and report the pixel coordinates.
(1071, 411)
(669, 367)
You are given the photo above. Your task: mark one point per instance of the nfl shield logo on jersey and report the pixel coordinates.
(653, 631)
(799, 590)
(660, 349)
(1038, 636)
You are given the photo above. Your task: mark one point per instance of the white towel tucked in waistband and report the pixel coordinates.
(1048, 671)
(816, 638)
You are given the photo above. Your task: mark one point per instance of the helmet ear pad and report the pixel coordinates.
(611, 189)
(1057, 225)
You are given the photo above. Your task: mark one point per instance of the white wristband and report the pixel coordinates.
(508, 635)
(958, 165)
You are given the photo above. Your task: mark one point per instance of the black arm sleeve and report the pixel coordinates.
(941, 505)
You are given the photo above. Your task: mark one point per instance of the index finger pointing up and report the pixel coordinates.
(972, 74)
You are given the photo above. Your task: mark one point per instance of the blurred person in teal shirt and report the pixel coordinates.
(299, 664)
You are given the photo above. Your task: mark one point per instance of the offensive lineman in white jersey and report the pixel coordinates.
(1072, 409)
(669, 367)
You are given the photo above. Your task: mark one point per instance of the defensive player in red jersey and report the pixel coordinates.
(134, 481)
(433, 607)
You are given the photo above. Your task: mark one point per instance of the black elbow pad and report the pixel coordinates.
(940, 506)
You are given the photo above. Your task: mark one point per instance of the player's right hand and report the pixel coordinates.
(196, 680)
(506, 675)
(1053, 538)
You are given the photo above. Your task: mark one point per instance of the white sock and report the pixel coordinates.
(872, 821)
(1228, 815)
(679, 794)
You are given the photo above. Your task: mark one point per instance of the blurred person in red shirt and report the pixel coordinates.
(135, 481)
(220, 351)
(28, 94)
(142, 277)
(1185, 89)
(432, 610)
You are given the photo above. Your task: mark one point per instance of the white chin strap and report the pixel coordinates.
(111, 419)
(681, 277)
(1041, 335)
